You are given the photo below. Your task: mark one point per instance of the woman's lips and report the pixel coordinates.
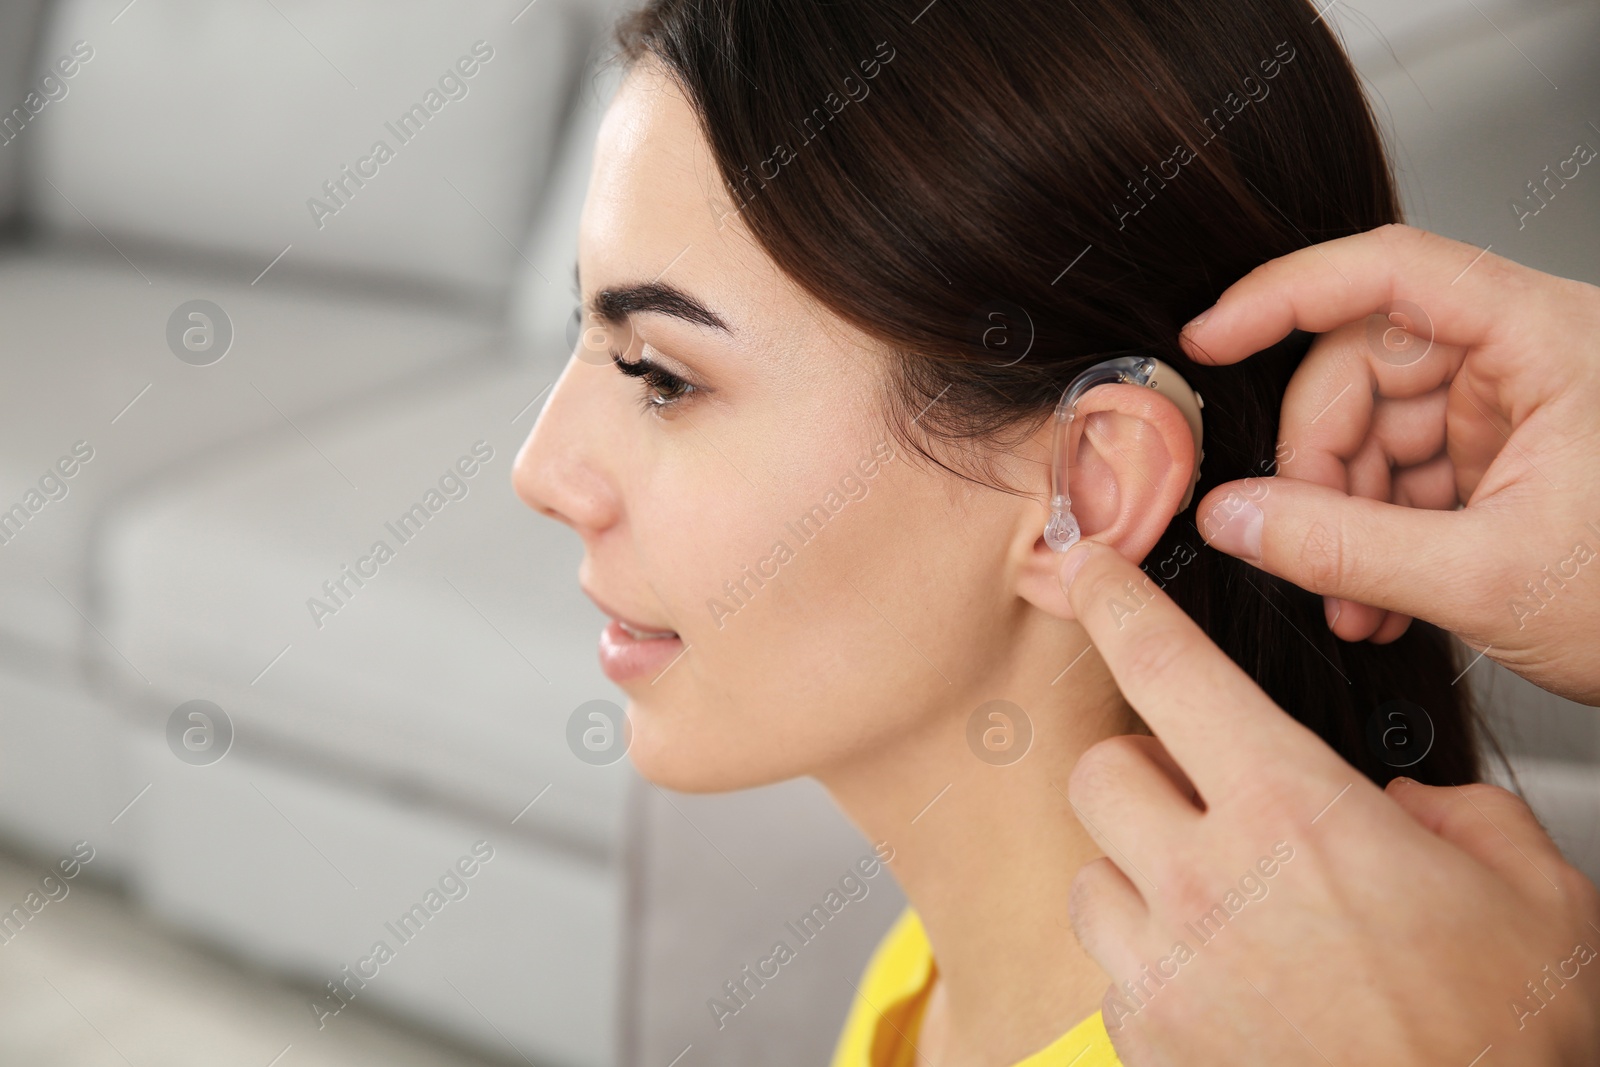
(625, 654)
(630, 649)
(642, 634)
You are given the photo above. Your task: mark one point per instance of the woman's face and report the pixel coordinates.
(829, 595)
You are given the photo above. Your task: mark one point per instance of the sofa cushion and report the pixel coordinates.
(218, 125)
(449, 664)
(304, 876)
(88, 361)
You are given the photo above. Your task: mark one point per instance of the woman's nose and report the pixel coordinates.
(562, 469)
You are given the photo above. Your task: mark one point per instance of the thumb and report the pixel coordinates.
(1406, 560)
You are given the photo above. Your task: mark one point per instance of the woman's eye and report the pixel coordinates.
(661, 388)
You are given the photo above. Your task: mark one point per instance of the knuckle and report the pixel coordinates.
(1578, 892)
(1464, 819)
(1127, 1030)
(1482, 596)
(1105, 760)
(1494, 805)
(1078, 892)
(1158, 657)
(1186, 893)
(1263, 272)
(1087, 778)
(1410, 248)
(1172, 1014)
(1269, 799)
(1083, 892)
(1094, 584)
(1584, 300)
(1479, 792)
(1104, 768)
(1322, 557)
(1398, 234)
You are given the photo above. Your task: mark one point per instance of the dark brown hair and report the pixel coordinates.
(1005, 192)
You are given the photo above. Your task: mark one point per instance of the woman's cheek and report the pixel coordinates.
(705, 558)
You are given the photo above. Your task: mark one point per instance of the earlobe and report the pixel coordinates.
(1134, 460)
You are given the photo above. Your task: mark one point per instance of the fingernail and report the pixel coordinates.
(1071, 562)
(1234, 526)
(1194, 323)
(1400, 780)
(1331, 607)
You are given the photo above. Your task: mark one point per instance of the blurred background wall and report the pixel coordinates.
(241, 346)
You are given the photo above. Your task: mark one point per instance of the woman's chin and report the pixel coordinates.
(686, 765)
(683, 773)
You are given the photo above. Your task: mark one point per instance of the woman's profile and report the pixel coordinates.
(847, 256)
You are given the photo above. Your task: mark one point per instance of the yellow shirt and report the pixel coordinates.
(881, 1029)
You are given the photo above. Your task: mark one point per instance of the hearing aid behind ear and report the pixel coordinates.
(1062, 530)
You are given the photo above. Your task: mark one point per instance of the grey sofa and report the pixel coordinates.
(228, 153)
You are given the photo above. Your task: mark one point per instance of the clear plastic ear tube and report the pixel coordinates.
(1062, 531)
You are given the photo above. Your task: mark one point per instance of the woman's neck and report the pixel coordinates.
(986, 854)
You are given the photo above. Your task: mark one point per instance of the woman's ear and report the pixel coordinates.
(1133, 457)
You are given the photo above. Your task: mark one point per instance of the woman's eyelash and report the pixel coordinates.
(662, 388)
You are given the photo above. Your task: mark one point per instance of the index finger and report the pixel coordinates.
(1457, 288)
(1213, 718)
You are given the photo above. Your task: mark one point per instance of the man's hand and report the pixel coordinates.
(1445, 376)
(1261, 902)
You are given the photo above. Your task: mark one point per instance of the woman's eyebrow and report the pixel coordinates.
(615, 304)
